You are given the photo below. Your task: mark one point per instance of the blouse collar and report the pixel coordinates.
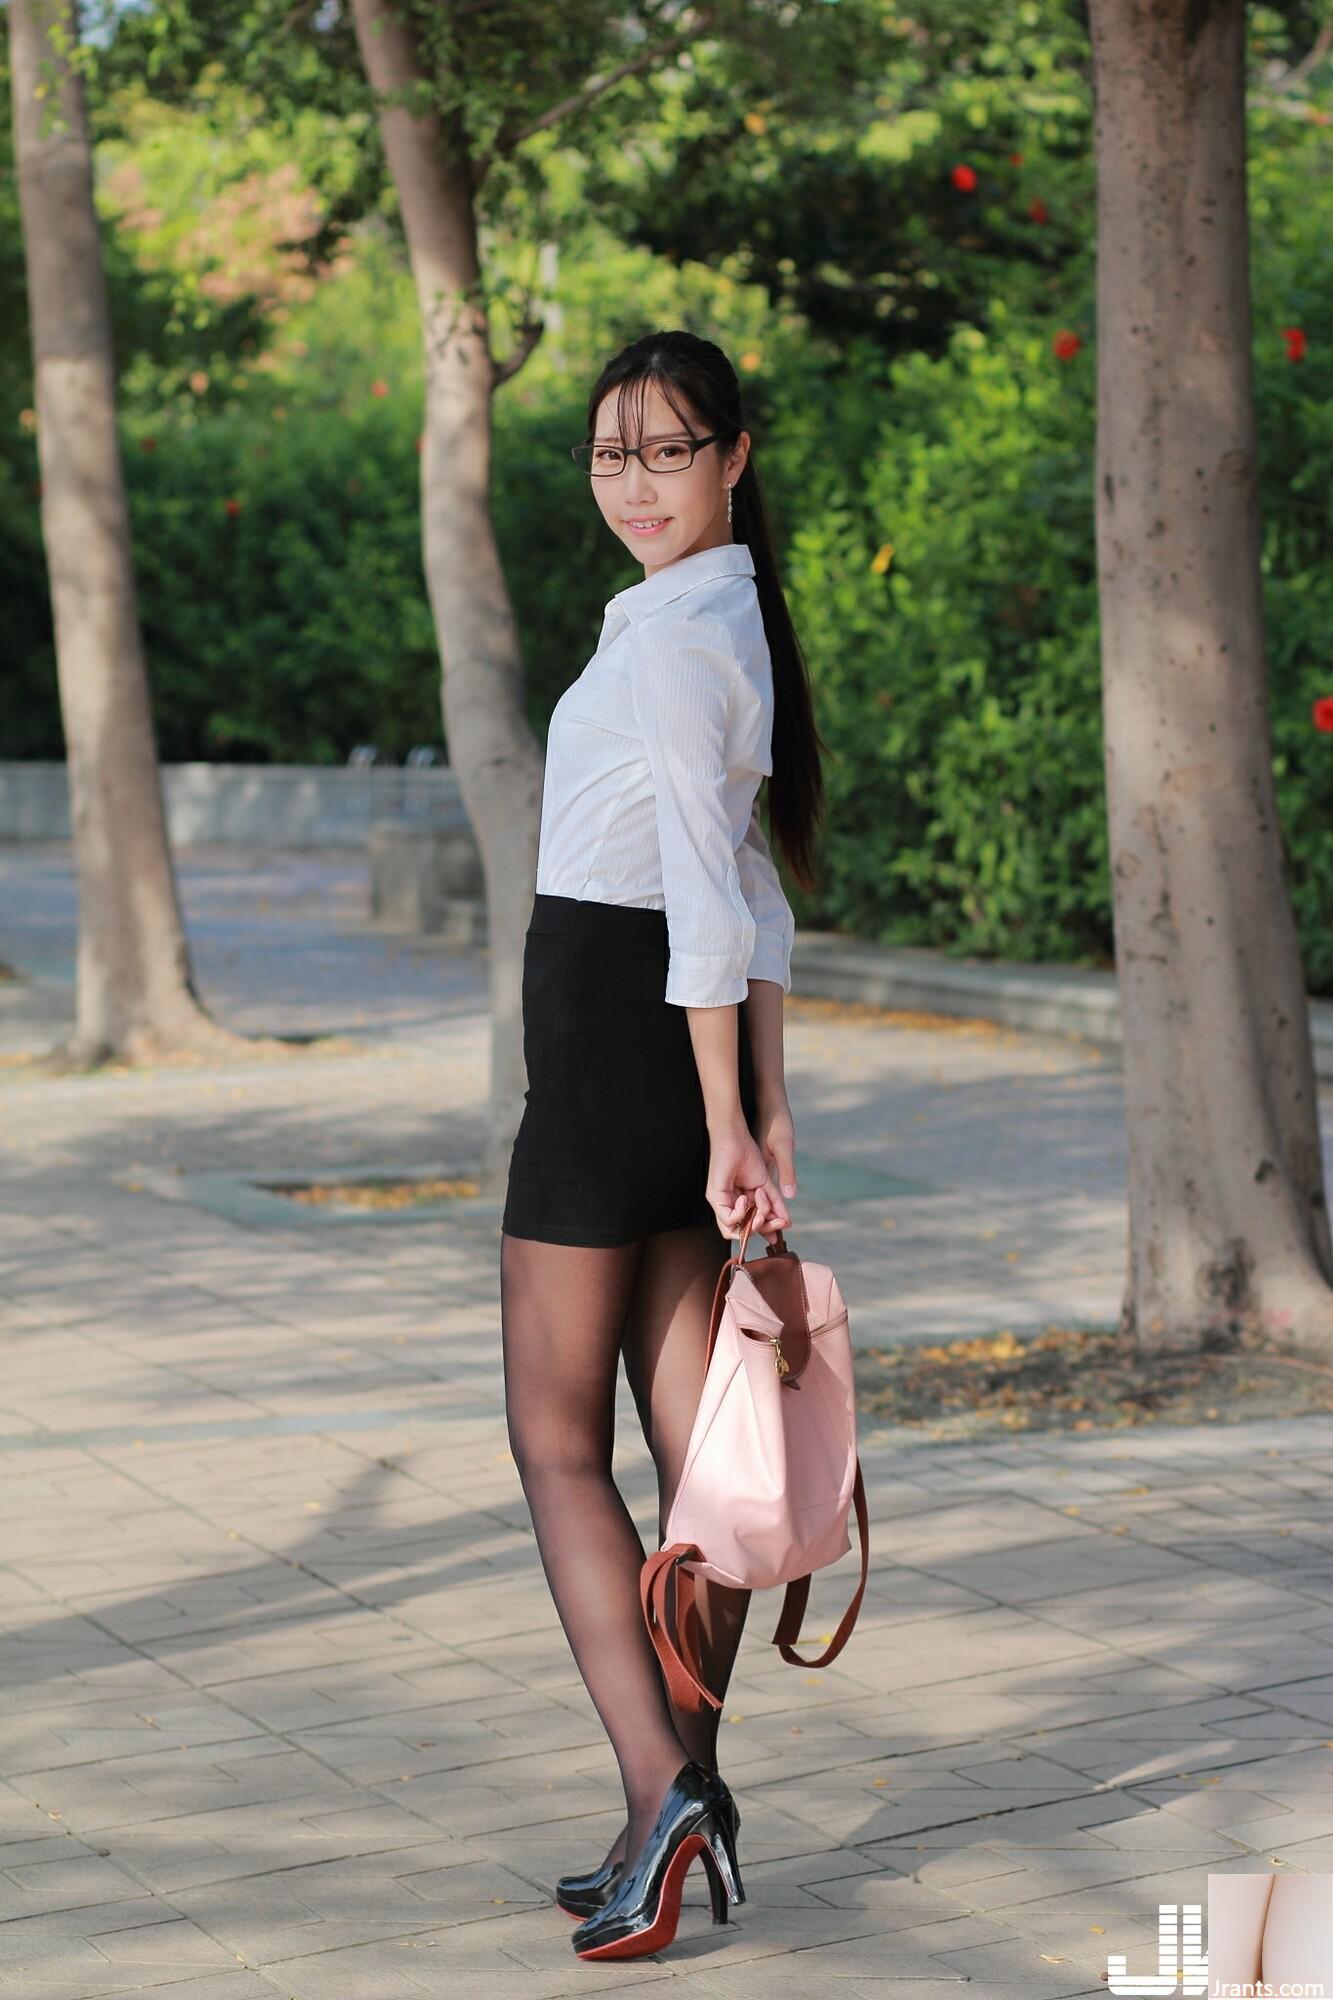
(726, 559)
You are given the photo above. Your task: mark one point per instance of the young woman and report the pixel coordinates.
(655, 965)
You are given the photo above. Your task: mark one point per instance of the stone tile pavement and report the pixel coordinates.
(285, 1707)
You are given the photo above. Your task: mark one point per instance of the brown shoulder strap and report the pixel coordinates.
(798, 1594)
(678, 1651)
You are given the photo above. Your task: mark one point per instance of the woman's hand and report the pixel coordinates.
(743, 1168)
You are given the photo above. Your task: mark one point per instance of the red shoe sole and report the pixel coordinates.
(663, 1927)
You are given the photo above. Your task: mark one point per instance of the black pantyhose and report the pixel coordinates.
(567, 1314)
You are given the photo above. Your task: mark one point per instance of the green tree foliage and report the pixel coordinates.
(953, 171)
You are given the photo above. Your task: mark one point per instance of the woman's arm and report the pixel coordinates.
(714, 1032)
(773, 1126)
(775, 926)
(739, 1169)
(681, 681)
(769, 981)
(763, 1019)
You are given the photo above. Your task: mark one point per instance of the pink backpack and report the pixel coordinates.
(771, 1469)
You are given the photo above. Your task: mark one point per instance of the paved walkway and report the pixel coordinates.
(287, 1710)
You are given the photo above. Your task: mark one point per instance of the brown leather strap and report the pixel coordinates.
(678, 1651)
(798, 1595)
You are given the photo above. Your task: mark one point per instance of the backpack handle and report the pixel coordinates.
(778, 1248)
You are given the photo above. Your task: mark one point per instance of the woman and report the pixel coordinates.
(655, 965)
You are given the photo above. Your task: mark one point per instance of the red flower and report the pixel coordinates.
(1039, 211)
(148, 444)
(233, 508)
(964, 178)
(1015, 159)
(1295, 339)
(379, 387)
(1323, 714)
(1066, 344)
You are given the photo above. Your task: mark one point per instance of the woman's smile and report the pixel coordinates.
(648, 524)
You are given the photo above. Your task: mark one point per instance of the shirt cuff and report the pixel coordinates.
(771, 960)
(694, 981)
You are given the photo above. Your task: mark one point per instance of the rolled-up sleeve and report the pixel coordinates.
(682, 676)
(775, 926)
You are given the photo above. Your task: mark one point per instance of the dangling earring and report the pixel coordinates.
(728, 506)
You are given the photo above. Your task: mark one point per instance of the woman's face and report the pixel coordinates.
(662, 516)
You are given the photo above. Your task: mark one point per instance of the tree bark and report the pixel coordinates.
(494, 752)
(135, 996)
(1229, 1234)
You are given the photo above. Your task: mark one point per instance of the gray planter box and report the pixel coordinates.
(428, 878)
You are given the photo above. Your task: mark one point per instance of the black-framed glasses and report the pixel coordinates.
(604, 461)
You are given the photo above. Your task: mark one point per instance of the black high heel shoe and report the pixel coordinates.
(582, 1895)
(697, 1816)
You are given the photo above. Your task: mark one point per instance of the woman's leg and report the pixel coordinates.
(563, 1310)
(666, 1338)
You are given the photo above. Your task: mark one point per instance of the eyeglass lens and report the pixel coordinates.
(667, 455)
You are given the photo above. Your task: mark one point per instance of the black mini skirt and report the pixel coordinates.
(613, 1141)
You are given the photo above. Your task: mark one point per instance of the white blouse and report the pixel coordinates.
(653, 763)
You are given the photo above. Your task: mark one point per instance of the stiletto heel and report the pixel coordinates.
(717, 1888)
(643, 1910)
(722, 1854)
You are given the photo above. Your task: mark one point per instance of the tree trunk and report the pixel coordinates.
(1229, 1236)
(491, 747)
(134, 991)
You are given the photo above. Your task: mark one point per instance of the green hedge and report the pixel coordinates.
(281, 587)
(949, 610)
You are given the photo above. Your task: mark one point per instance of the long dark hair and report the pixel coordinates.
(699, 382)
